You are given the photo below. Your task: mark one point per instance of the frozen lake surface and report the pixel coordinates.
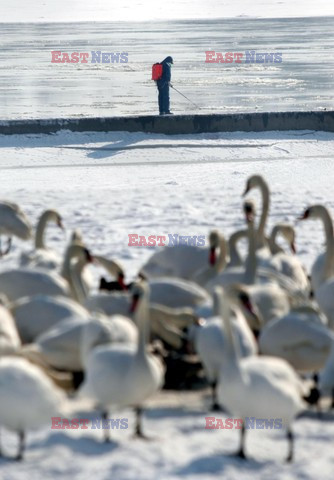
(32, 87)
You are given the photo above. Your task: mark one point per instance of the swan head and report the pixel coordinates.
(76, 237)
(53, 216)
(214, 242)
(255, 181)
(79, 252)
(288, 232)
(315, 211)
(238, 294)
(139, 291)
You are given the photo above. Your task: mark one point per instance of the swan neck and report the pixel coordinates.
(235, 257)
(264, 215)
(143, 319)
(40, 230)
(77, 287)
(231, 350)
(251, 262)
(329, 236)
(222, 257)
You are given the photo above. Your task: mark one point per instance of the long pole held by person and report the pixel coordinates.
(172, 86)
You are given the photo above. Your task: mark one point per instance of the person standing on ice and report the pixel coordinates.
(163, 86)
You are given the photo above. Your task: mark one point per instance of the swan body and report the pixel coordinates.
(210, 341)
(28, 397)
(37, 314)
(177, 293)
(22, 282)
(13, 221)
(324, 295)
(270, 299)
(300, 338)
(125, 375)
(169, 292)
(67, 344)
(9, 337)
(323, 267)
(260, 387)
(188, 262)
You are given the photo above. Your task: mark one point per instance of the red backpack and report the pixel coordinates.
(156, 71)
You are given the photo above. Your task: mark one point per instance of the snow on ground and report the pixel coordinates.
(113, 184)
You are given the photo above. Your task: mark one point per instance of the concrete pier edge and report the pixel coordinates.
(178, 124)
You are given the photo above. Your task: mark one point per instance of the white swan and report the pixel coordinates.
(13, 221)
(323, 267)
(37, 314)
(125, 375)
(9, 337)
(29, 399)
(66, 344)
(166, 323)
(322, 274)
(270, 299)
(209, 338)
(235, 257)
(88, 280)
(261, 387)
(287, 232)
(258, 182)
(188, 261)
(22, 282)
(41, 256)
(300, 337)
(286, 264)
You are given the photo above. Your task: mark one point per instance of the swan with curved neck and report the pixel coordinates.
(27, 282)
(235, 257)
(257, 181)
(42, 256)
(322, 274)
(217, 263)
(287, 265)
(323, 267)
(287, 232)
(13, 223)
(125, 375)
(209, 338)
(260, 387)
(270, 299)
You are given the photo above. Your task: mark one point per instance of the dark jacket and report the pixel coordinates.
(166, 71)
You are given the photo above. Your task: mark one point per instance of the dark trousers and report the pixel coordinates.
(163, 97)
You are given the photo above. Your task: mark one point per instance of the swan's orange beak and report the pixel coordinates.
(212, 256)
(135, 300)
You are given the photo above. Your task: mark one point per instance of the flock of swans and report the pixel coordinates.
(261, 328)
